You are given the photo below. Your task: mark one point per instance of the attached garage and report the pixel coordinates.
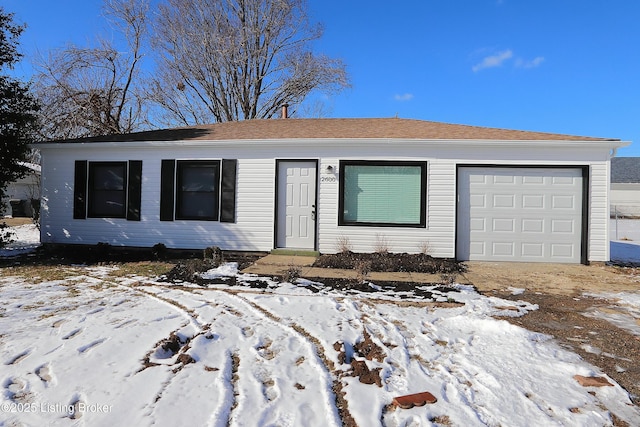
(528, 214)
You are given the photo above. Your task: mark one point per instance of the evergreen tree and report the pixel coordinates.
(18, 109)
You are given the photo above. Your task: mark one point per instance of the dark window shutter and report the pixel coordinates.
(228, 192)
(167, 178)
(134, 190)
(80, 190)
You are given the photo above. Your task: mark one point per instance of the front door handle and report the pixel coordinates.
(313, 212)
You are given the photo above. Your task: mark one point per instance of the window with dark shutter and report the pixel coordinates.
(107, 189)
(198, 190)
(202, 190)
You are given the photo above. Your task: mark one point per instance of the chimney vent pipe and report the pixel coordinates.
(285, 112)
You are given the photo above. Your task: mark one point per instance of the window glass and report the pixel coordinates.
(108, 176)
(107, 189)
(198, 190)
(199, 178)
(383, 193)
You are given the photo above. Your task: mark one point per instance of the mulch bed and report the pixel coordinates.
(390, 262)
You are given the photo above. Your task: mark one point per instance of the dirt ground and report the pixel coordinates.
(14, 222)
(559, 291)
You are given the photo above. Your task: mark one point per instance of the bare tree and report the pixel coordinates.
(225, 60)
(94, 91)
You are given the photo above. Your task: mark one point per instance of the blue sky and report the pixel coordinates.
(564, 66)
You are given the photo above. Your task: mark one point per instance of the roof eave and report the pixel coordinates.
(611, 144)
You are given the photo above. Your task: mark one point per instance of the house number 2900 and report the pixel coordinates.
(328, 179)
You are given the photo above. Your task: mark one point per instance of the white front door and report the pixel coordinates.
(296, 198)
(520, 214)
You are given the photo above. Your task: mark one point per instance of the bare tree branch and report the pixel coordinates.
(94, 91)
(225, 60)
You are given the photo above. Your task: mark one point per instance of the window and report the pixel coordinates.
(383, 193)
(107, 189)
(198, 184)
(198, 190)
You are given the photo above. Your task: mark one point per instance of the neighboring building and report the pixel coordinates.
(464, 192)
(23, 195)
(625, 187)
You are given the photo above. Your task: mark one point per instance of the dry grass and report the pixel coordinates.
(41, 273)
(142, 268)
(46, 273)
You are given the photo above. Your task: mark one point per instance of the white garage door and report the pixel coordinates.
(519, 214)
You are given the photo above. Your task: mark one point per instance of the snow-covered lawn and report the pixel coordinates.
(92, 345)
(101, 349)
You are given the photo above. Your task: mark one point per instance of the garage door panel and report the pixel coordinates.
(563, 226)
(532, 225)
(478, 224)
(503, 249)
(478, 200)
(478, 179)
(478, 249)
(564, 201)
(563, 180)
(533, 201)
(503, 225)
(504, 179)
(562, 250)
(532, 180)
(532, 214)
(503, 201)
(534, 250)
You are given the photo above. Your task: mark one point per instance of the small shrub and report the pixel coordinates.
(382, 245)
(213, 254)
(448, 278)
(100, 251)
(6, 235)
(424, 248)
(159, 251)
(362, 268)
(343, 244)
(292, 274)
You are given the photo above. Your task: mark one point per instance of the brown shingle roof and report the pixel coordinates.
(336, 128)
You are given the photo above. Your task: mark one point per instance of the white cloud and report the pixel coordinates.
(403, 97)
(535, 62)
(493, 60)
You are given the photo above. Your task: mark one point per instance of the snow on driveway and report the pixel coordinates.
(625, 240)
(100, 350)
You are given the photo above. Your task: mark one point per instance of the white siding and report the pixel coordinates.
(441, 207)
(599, 212)
(436, 236)
(254, 228)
